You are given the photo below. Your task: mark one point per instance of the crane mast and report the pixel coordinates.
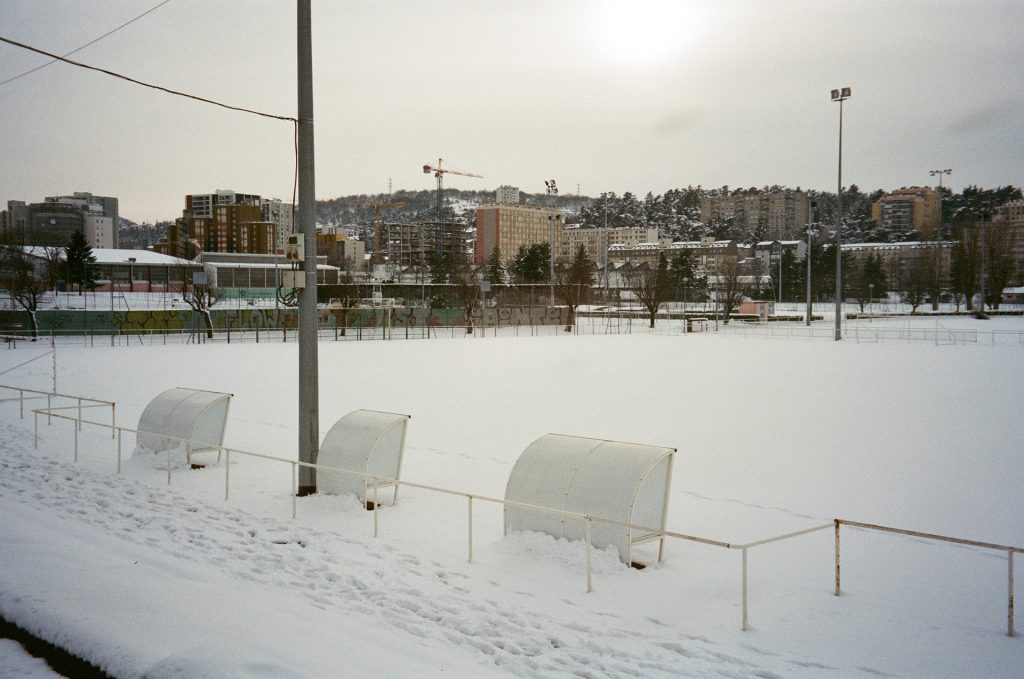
(440, 171)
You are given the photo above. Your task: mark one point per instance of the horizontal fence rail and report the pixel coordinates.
(1010, 551)
(858, 332)
(374, 482)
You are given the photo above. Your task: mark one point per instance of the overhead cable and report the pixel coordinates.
(57, 57)
(91, 42)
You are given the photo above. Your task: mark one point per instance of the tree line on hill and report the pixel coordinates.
(676, 213)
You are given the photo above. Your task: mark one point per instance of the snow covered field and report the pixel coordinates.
(773, 437)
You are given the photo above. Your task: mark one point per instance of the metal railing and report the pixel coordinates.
(81, 403)
(617, 324)
(858, 332)
(1010, 551)
(375, 482)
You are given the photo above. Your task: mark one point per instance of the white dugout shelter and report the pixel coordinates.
(624, 483)
(192, 418)
(371, 444)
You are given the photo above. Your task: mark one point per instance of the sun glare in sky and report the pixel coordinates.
(645, 32)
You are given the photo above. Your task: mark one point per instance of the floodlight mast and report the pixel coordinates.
(553, 222)
(840, 96)
(309, 418)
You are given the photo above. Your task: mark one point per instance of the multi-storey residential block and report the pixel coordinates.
(508, 227)
(709, 255)
(1011, 218)
(201, 204)
(914, 208)
(899, 260)
(597, 241)
(227, 221)
(341, 250)
(280, 214)
(507, 194)
(782, 214)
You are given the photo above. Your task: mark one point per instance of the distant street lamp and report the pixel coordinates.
(840, 95)
(810, 222)
(938, 228)
(780, 274)
(552, 220)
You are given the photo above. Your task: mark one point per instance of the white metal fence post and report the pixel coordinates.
(227, 471)
(113, 418)
(470, 516)
(21, 404)
(118, 435)
(294, 489)
(376, 527)
(35, 443)
(1009, 614)
(837, 557)
(589, 530)
(744, 627)
(75, 426)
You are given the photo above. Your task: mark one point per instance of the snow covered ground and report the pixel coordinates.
(143, 579)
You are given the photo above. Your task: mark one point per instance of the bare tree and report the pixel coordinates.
(467, 293)
(999, 263)
(21, 280)
(918, 280)
(730, 287)
(651, 286)
(202, 298)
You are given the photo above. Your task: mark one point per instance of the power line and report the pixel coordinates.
(91, 42)
(57, 57)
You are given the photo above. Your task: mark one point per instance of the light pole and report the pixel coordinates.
(938, 230)
(552, 191)
(839, 95)
(607, 242)
(780, 274)
(810, 222)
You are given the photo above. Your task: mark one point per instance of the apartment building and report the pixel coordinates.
(784, 214)
(1011, 218)
(913, 208)
(900, 259)
(506, 194)
(597, 241)
(508, 227)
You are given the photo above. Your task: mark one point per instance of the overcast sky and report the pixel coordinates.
(627, 95)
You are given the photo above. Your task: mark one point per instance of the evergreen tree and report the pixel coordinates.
(531, 263)
(494, 271)
(80, 263)
(574, 283)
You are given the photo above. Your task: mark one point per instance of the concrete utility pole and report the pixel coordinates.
(840, 96)
(309, 397)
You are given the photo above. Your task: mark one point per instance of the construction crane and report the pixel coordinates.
(439, 171)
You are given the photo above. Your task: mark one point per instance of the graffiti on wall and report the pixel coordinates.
(252, 319)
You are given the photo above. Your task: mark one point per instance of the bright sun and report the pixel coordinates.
(644, 32)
